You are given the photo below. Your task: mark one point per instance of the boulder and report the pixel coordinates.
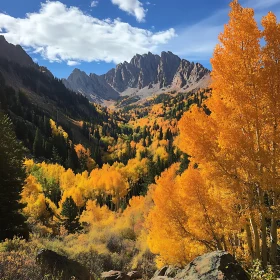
(218, 265)
(134, 275)
(113, 275)
(56, 264)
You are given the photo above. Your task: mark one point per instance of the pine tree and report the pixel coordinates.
(72, 159)
(38, 144)
(11, 181)
(70, 212)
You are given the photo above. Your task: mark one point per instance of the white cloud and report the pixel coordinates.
(94, 3)
(73, 63)
(132, 7)
(59, 33)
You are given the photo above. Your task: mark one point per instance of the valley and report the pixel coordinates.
(157, 169)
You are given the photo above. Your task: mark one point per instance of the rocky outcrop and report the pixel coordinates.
(53, 263)
(218, 265)
(114, 275)
(146, 71)
(167, 68)
(189, 74)
(92, 86)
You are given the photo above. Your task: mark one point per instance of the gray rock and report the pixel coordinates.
(218, 265)
(92, 86)
(167, 68)
(142, 72)
(172, 271)
(161, 272)
(114, 275)
(61, 266)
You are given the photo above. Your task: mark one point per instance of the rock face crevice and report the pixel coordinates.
(142, 72)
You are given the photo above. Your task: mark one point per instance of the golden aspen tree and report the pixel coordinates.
(67, 180)
(237, 106)
(85, 160)
(270, 75)
(33, 196)
(187, 214)
(236, 145)
(94, 215)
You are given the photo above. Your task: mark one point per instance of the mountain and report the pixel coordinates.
(16, 54)
(32, 96)
(143, 76)
(93, 86)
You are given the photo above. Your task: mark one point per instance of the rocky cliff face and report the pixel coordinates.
(92, 86)
(146, 72)
(189, 73)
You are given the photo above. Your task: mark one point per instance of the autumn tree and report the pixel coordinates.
(11, 182)
(233, 137)
(270, 88)
(188, 217)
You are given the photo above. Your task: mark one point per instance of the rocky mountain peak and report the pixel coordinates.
(149, 71)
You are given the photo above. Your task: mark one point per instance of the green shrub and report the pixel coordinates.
(257, 272)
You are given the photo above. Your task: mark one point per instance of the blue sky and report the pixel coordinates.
(96, 35)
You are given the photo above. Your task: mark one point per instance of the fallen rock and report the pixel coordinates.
(218, 265)
(53, 263)
(112, 275)
(134, 275)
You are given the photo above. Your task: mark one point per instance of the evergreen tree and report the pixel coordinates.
(160, 137)
(184, 163)
(38, 144)
(56, 157)
(11, 181)
(70, 212)
(72, 159)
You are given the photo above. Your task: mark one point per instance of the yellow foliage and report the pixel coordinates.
(34, 198)
(57, 130)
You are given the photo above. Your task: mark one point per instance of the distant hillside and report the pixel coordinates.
(142, 77)
(31, 96)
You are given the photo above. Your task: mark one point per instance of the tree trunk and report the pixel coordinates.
(264, 242)
(273, 241)
(256, 238)
(225, 243)
(249, 241)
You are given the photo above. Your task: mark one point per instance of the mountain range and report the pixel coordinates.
(143, 76)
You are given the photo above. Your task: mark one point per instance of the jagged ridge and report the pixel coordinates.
(146, 71)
